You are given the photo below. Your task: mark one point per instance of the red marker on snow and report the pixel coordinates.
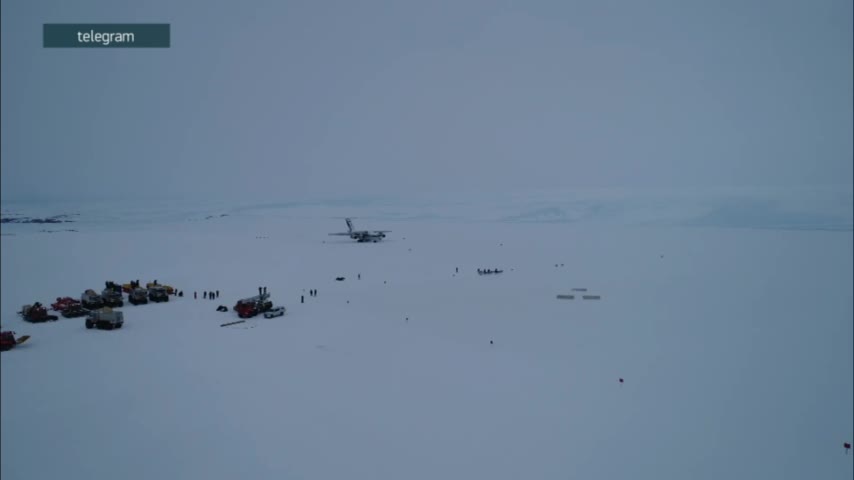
(847, 447)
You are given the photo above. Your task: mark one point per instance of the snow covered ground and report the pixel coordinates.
(731, 323)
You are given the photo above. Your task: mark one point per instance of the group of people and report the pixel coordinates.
(488, 271)
(205, 295)
(312, 292)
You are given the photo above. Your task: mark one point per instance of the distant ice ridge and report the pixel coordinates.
(763, 208)
(802, 209)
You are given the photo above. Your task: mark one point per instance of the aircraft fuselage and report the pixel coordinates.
(363, 237)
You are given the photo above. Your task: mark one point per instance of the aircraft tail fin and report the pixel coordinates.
(349, 225)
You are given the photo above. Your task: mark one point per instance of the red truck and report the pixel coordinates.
(249, 307)
(64, 302)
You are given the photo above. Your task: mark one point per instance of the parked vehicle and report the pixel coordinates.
(128, 287)
(158, 294)
(112, 298)
(169, 288)
(91, 300)
(63, 303)
(249, 307)
(276, 312)
(8, 340)
(113, 286)
(138, 296)
(36, 313)
(105, 319)
(74, 311)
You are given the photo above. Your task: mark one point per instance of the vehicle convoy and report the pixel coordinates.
(138, 296)
(62, 303)
(91, 300)
(8, 340)
(276, 312)
(158, 294)
(105, 318)
(112, 298)
(36, 313)
(74, 311)
(249, 307)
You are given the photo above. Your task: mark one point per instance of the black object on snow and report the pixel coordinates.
(232, 323)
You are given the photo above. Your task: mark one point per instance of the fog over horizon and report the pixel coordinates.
(334, 99)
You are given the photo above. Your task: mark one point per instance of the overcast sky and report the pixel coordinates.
(322, 97)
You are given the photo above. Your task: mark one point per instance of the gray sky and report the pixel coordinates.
(284, 99)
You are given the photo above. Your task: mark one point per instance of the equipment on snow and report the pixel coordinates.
(158, 293)
(105, 319)
(63, 303)
(8, 340)
(138, 296)
(249, 307)
(74, 311)
(112, 298)
(232, 323)
(91, 300)
(36, 313)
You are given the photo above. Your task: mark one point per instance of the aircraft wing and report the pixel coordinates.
(381, 231)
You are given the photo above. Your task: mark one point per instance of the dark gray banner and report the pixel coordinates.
(106, 35)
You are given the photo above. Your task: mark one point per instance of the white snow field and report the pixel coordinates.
(735, 344)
